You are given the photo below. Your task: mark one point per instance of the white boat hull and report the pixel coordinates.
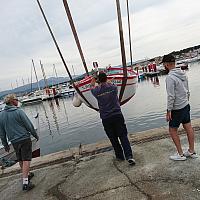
(129, 92)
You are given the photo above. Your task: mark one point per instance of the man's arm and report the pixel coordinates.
(188, 90)
(94, 89)
(28, 124)
(93, 82)
(170, 97)
(170, 86)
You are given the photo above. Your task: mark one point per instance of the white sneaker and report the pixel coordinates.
(190, 155)
(178, 157)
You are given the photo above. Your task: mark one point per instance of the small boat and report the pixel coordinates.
(151, 74)
(32, 98)
(9, 158)
(161, 69)
(182, 65)
(152, 70)
(141, 74)
(115, 75)
(65, 90)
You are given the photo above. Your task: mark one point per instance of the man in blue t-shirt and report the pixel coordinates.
(112, 118)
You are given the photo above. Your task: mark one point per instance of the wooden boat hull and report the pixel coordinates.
(130, 89)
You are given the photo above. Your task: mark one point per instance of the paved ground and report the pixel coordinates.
(100, 176)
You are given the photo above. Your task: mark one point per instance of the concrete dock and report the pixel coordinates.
(92, 173)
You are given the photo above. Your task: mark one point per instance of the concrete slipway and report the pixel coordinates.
(92, 173)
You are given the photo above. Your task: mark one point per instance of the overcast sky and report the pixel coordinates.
(158, 27)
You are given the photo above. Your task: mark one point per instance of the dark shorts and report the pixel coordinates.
(23, 150)
(181, 116)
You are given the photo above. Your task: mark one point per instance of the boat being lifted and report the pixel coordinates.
(123, 77)
(115, 76)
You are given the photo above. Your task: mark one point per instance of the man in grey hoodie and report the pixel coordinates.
(17, 128)
(178, 108)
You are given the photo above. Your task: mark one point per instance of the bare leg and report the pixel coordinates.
(190, 135)
(174, 135)
(26, 168)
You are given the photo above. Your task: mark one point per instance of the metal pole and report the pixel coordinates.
(75, 34)
(73, 70)
(123, 54)
(12, 86)
(36, 75)
(44, 75)
(129, 31)
(54, 67)
(23, 81)
(16, 83)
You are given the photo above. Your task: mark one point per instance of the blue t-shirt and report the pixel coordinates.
(106, 95)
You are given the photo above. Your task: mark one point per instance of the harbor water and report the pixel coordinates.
(63, 126)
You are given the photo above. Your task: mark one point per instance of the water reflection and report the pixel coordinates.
(155, 81)
(65, 110)
(47, 120)
(51, 104)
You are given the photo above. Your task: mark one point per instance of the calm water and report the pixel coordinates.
(63, 126)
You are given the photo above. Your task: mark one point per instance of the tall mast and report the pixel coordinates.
(36, 75)
(16, 83)
(44, 75)
(11, 86)
(73, 70)
(129, 32)
(75, 34)
(54, 69)
(23, 81)
(123, 54)
(31, 78)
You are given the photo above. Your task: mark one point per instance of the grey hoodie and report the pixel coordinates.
(177, 89)
(15, 125)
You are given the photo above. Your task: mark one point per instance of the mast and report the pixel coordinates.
(36, 75)
(123, 54)
(44, 75)
(11, 86)
(75, 34)
(129, 32)
(73, 70)
(54, 68)
(31, 79)
(23, 81)
(16, 83)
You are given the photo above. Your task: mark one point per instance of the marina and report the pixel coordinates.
(63, 126)
(92, 78)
